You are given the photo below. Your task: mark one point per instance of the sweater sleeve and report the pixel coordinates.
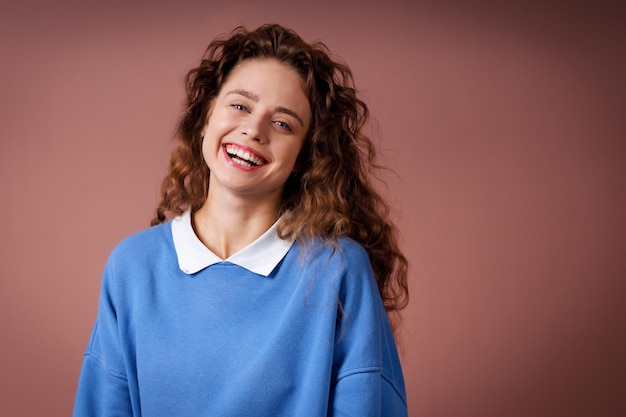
(367, 376)
(103, 386)
(367, 393)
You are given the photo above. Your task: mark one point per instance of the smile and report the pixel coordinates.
(243, 156)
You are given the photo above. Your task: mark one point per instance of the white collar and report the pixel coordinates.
(260, 256)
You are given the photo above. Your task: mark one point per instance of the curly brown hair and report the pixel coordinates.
(332, 194)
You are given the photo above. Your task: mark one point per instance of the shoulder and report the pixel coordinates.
(147, 237)
(136, 261)
(146, 244)
(346, 262)
(343, 250)
(354, 258)
(353, 252)
(350, 245)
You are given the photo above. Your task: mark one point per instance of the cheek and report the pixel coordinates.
(290, 155)
(208, 151)
(211, 137)
(297, 151)
(221, 118)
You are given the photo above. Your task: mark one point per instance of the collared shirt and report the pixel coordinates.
(260, 256)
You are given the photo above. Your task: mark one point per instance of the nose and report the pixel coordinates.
(254, 129)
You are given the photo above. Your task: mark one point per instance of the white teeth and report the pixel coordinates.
(247, 158)
(242, 162)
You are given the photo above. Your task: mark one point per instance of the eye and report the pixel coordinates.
(282, 124)
(239, 107)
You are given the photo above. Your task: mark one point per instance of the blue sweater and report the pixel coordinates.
(310, 339)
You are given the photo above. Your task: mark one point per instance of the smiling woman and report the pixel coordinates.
(254, 133)
(266, 285)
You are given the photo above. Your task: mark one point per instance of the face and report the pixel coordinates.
(256, 129)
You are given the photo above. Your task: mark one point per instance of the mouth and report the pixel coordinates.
(243, 157)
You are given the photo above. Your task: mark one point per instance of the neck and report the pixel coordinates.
(228, 223)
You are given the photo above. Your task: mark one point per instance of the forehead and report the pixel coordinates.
(264, 71)
(269, 82)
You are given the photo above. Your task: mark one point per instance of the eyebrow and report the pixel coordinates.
(255, 98)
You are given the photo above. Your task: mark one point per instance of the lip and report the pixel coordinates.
(245, 148)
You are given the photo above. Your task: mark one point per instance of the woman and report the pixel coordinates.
(264, 286)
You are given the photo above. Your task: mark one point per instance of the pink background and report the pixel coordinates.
(505, 126)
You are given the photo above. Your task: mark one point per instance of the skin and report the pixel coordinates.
(261, 114)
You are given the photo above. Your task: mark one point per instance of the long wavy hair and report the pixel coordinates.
(332, 194)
